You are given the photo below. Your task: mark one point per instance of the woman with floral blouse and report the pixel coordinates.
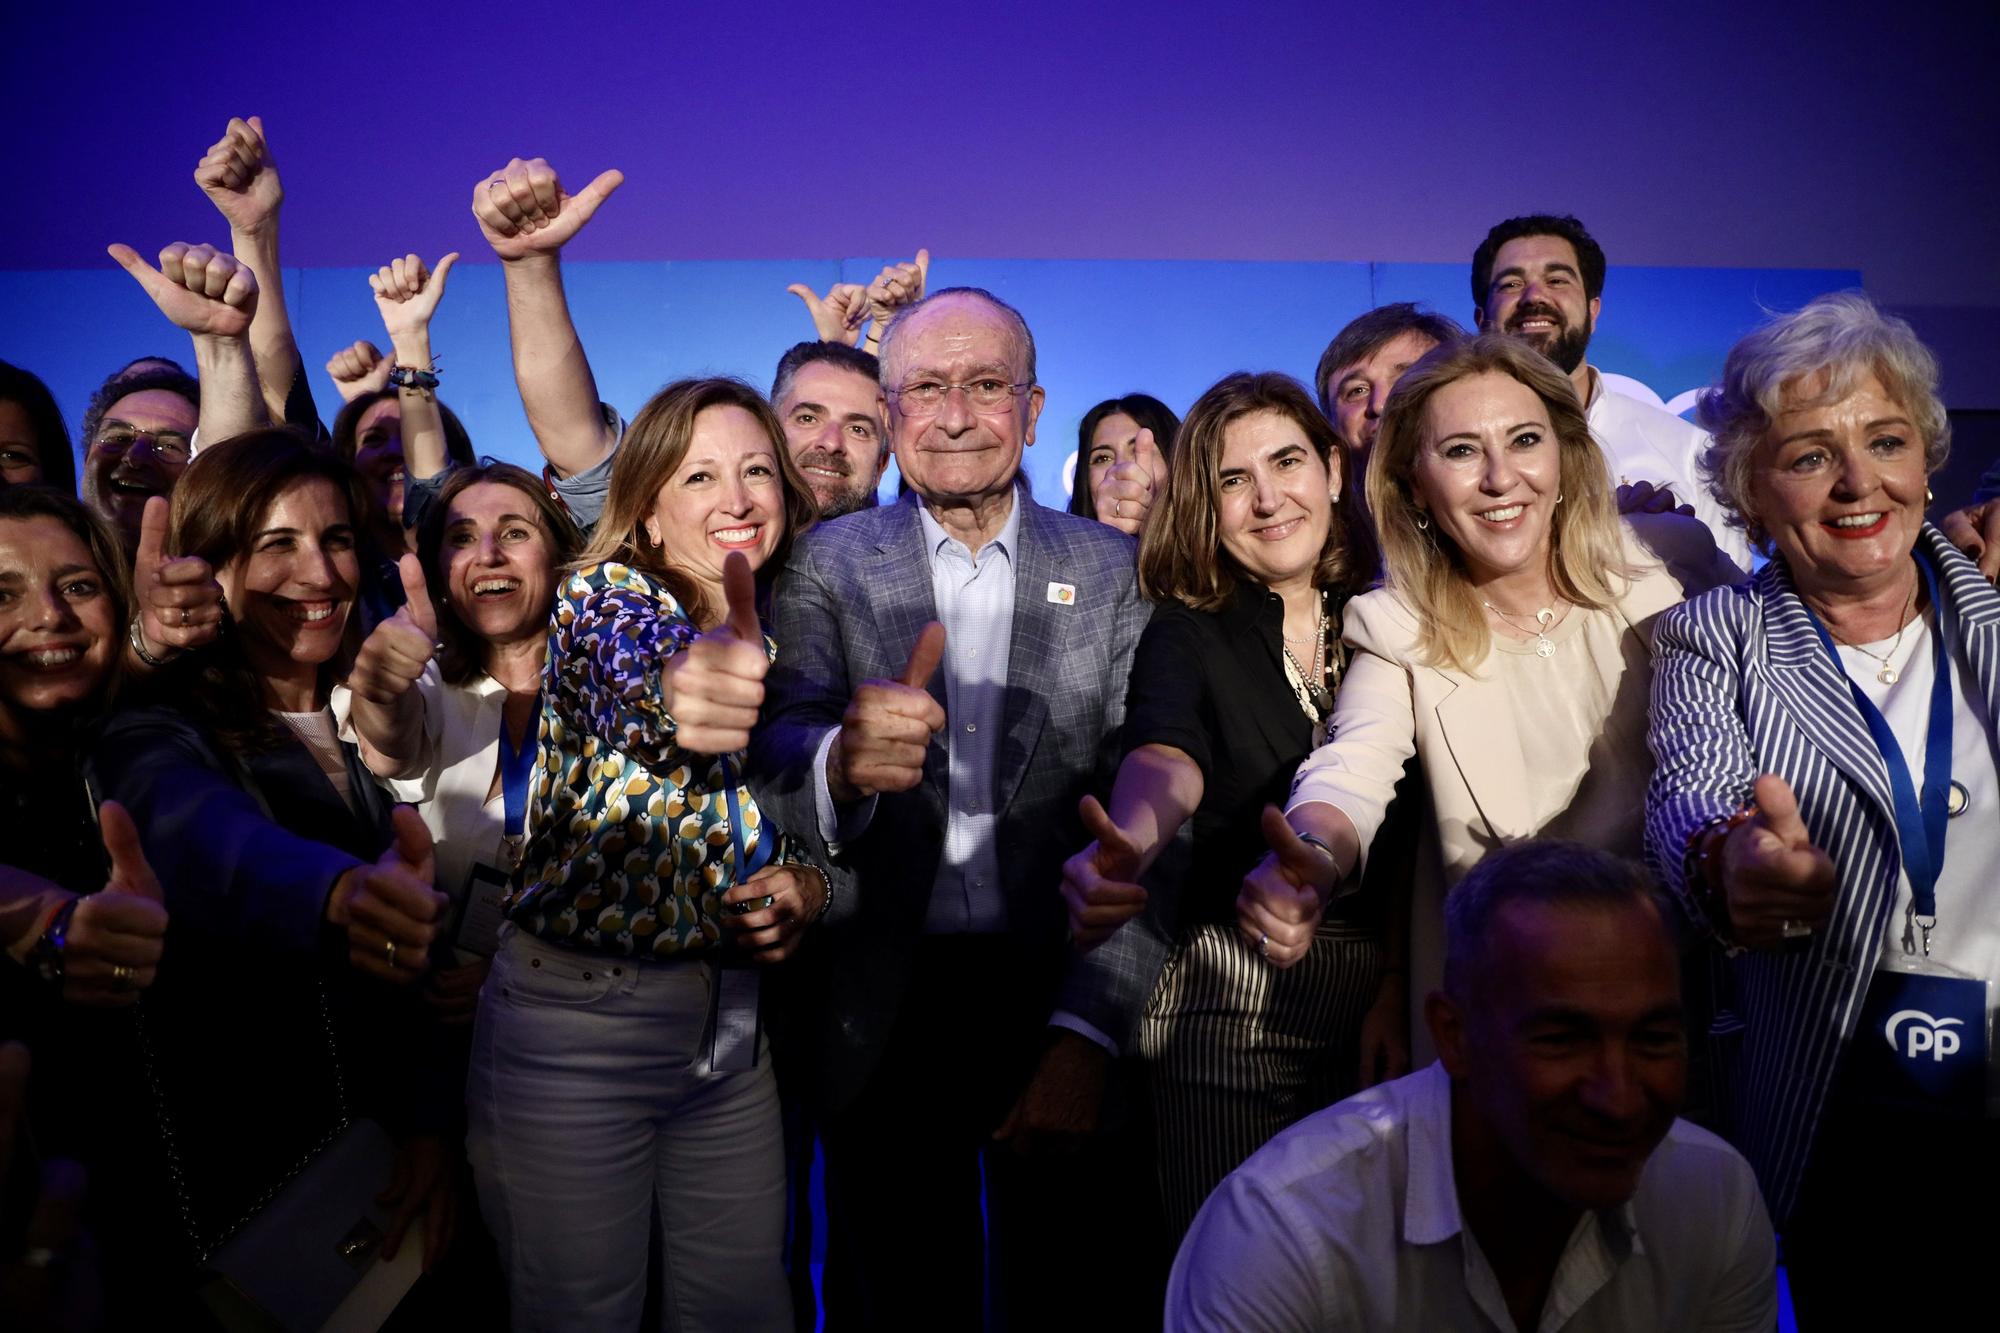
(617, 1065)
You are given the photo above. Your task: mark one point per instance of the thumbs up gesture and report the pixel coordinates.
(1281, 901)
(1098, 882)
(838, 316)
(525, 213)
(179, 601)
(116, 934)
(1776, 884)
(1125, 496)
(888, 727)
(895, 287)
(395, 654)
(715, 686)
(390, 910)
(201, 289)
(407, 295)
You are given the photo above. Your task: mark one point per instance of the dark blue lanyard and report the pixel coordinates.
(1920, 825)
(757, 859)
(517, 766)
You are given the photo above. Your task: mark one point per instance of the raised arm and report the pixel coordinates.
(407, 295)
(240, 178)
(527, 217)
(214, 297)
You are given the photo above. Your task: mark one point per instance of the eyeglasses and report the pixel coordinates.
(926, 397)
(168, 446)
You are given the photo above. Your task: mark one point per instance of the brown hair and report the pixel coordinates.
(652, 451)
(225, 493)
(464, 655)
(107, 552)
(1423, 565)
(1181, 555)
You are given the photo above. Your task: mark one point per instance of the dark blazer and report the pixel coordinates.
(847, 608)
(1742, 686)
(259, 1033)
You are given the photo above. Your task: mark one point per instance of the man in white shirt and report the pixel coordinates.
(1541, 278)
(1535, 1177)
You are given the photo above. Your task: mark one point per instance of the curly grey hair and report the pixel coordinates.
(1842, 336)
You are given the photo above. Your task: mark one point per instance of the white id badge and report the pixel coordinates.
(479, 913)
(734, 1045)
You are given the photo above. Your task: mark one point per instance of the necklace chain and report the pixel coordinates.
(1544, 645)
(1888, 675)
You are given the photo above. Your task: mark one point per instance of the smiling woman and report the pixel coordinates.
(1509, 649)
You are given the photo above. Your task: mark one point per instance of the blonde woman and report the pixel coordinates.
(596, 1098)
(1509, 649)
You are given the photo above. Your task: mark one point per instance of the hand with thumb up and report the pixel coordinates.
(396, 653)
(115, 935)
(1280, 904)
(714, 687)
(1775, 884)
(179, 603)
(1100, 883)
(888, 726)
(390, 910)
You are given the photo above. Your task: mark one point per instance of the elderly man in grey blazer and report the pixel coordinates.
(950, 680)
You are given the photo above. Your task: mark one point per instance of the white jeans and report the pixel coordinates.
(590, 1101)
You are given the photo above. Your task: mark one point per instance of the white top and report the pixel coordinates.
(1350, 1220)
(452, 773)
(1644, 443)
(1967, 938)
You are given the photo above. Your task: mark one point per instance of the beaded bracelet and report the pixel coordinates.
(409, 377)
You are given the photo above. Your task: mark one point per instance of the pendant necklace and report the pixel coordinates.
(1888, 674)
(1544, 646)
(1313, 694)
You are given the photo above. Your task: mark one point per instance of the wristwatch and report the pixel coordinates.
(47, 955)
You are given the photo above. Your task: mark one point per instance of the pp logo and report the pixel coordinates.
(1922, 1033)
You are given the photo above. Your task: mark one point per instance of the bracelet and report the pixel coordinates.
(139, 647)
(410, 377)
(825, 882)
(1702, 870)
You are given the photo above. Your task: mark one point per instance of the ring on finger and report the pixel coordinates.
(390, 947)
(1794, 930)
(121, 977)
(1263, 946)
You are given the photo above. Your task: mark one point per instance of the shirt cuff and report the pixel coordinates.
(836, 826)
(1062, 1018)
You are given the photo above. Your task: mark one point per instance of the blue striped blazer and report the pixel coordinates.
(1743, 686)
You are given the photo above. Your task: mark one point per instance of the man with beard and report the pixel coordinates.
(829, 397)
(1541, 279)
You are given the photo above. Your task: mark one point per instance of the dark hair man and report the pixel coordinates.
(829, 397)
(1541, 278)
(1536, 1175)
(1364, 361)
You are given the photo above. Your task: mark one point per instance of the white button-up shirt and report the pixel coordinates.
(1350, 1220)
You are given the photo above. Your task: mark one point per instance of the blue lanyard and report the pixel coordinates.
(757, 859)
(516, 766)
(1920, 825)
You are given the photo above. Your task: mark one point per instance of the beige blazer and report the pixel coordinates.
(1467, 739)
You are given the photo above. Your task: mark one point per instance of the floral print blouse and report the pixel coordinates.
(629, 846)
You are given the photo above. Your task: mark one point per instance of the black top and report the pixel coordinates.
(1213, 684)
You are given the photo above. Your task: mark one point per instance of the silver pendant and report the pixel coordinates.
(1543, 648)
(1888, 675)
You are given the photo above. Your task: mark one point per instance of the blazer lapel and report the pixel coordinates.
(1814, 690)
(1486, 746)
(902, 600)
(1035, 649)
(1977, 604)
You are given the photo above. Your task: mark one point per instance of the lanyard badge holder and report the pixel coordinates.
(1921, 1042)
(733, 1039)
(482, 903)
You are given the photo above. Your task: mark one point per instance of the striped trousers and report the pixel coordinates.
(1236, 1049)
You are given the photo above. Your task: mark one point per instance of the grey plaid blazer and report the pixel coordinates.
(1742, 687)
(847, 608)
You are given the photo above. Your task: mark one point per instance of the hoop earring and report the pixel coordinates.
(1423, 521)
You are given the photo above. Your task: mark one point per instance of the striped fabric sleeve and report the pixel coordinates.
(1703, 762)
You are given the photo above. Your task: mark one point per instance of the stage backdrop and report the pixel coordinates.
(1102, 328)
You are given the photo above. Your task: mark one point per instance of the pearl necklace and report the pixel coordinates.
(1314, 697)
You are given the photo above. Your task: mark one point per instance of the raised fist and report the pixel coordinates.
(239, 177)
(359, 369)
(203, 290)
(524, 212)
